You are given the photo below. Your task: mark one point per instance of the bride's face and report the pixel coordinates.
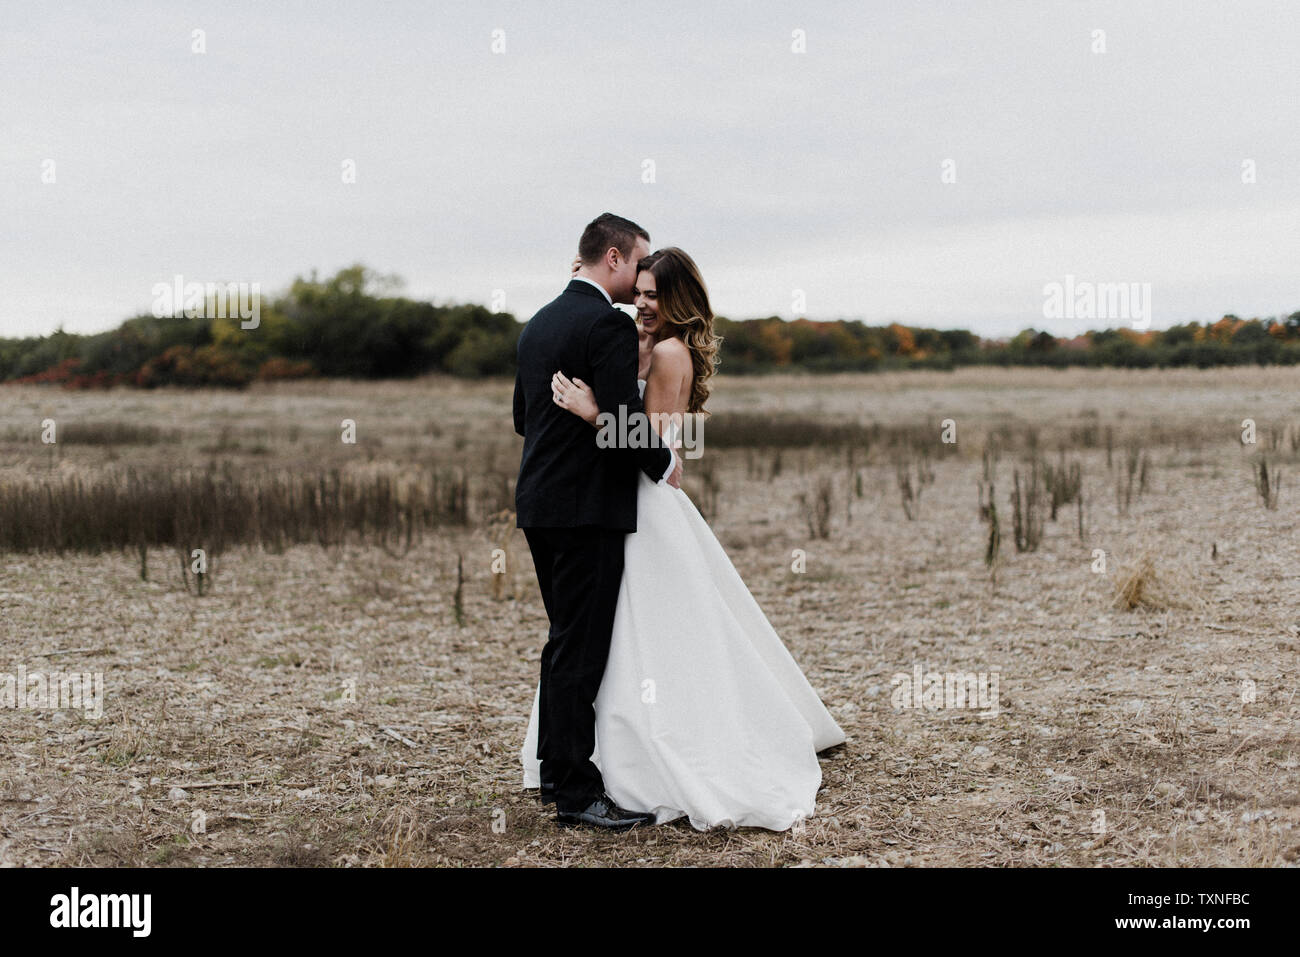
(647, 302)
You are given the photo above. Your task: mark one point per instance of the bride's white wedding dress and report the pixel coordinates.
(702, 711)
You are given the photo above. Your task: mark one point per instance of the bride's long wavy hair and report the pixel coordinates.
(684, 309)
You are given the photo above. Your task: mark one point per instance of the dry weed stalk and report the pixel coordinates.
(908, 466)
(1026, 515)
(1144, 584)
(1267, 483)
(817, 510)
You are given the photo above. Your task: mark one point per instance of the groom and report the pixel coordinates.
(575, 501)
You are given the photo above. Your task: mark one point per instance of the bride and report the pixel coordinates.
(702, 712)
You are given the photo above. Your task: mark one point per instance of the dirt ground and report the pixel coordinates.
(324, 707)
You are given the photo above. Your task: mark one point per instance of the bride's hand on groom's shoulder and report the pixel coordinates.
(573, 269)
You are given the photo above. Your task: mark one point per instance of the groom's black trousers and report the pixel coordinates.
(579, 571)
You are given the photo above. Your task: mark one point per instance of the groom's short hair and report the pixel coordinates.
(609, 230)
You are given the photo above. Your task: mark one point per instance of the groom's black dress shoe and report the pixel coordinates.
(548, 793)
(603, 812)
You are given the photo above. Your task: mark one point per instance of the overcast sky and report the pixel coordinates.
(778, 171)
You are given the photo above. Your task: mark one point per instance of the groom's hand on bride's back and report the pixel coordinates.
(675, 476)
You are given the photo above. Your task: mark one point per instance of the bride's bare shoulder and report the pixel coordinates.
(672, 351)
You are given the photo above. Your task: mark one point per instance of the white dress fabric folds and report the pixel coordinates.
(702, 711)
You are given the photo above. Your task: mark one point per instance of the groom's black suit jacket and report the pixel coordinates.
(565, 478)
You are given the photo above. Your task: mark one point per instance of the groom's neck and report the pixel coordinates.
(600, 280)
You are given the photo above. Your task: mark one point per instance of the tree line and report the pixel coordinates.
(353, 325)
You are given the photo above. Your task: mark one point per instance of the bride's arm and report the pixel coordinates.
(669, 373)
(576, 396)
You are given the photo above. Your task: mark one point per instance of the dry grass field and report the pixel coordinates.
(361, 703)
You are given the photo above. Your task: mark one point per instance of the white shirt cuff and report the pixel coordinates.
(671, 465)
